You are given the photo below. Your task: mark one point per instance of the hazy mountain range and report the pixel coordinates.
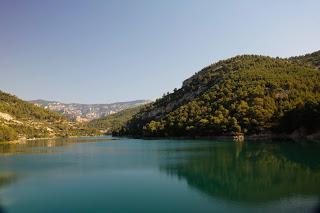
(87, 112)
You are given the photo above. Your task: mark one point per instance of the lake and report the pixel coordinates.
(103, 174)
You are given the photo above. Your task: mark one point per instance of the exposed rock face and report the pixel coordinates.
(6, 116)
(21, 119)
(87, 112)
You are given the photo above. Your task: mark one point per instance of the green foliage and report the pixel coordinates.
(248, 94)
(312, 59)
(305, 117)
(115, 121)
(23, 110)
(7, 133)
(31, 121)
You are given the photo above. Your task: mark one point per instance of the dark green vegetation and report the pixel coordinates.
(19, 118)
(115, 121)
(247, 94)
(312, 59)
(7, 133)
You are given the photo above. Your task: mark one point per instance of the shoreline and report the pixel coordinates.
(261, 137)
(25, 140)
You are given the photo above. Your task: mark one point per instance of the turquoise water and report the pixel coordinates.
(132, 175)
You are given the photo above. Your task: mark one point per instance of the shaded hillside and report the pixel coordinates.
(114, 121)
(19, 119)
(249, 94)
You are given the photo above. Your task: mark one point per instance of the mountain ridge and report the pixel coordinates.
(21, 119)
(113, 122)
(86, 112)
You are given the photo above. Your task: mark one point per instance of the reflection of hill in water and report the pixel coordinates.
(6, 178)
(251, 172)
(34, 147)
(44, 145)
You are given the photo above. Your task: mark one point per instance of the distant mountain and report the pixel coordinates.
(87, 112)
(113, 122)
(21, 119)
(249, 94)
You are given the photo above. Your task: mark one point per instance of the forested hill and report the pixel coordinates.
(115, 121)
(313, 59)
(20, 119)
(247, 94)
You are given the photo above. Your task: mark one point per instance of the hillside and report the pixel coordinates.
(86, 112)
(20, 119)
(312, 59)
(115, 121)
(247, 94)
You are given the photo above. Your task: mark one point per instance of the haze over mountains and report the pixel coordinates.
(87, 112)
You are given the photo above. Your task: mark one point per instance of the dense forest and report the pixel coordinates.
(20, 119)
(311, 59)
(114, 122)
(247, 94)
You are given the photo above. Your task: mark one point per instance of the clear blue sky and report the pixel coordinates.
(98, 51)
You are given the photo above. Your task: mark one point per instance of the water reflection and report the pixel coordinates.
(44, 145)
(239, 177)
(249, 172)
(6, 178)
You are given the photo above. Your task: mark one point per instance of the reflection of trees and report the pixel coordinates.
(7, 178)
(251, 172)
(37, 146)
(41, 146)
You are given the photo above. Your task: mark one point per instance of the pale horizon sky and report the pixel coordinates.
(98, 51)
